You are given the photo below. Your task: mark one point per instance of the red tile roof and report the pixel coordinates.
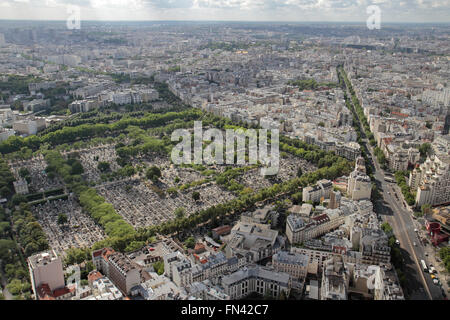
(94, 275)
(222, 229)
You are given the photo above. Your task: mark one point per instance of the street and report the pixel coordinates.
(392, 210)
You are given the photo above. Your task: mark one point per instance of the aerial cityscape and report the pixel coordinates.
(224, 160)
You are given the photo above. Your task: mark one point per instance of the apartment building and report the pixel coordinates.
(387, 286)
(300, 229)
(317, 192)
(350, 150)
(256, 279)
(256, 239)
(46, 272)
(335, 279)
(6, 133)
(432, 179)
(83, 106)
(21, 186)
(266, 215)
(206, 291)
(184, 271)
(374, 247)
(91, 90)
(294, 264)
(118, 268)
(29, 127)
(359, 186)
(100, 288)
(36, 105)
(134, 96)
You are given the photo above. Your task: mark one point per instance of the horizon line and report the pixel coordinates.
(232, 21)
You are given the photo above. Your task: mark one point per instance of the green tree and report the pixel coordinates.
(153, 173)
(62, 218)
(158, 266)
(23, 172)
(386, 227)
(190, 242)
(425, 209)
(103, 166)
(179, 213)
(196, 195)
(77, 168)
(425, 149)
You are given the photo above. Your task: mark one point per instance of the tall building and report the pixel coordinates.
(46, 271)
(432, 179)
(446, 128)
(359, 185)
(335, 199)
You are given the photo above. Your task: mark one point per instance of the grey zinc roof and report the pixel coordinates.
(292, 258)
(255, 272)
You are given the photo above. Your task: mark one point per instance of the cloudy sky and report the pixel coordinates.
(241, 10)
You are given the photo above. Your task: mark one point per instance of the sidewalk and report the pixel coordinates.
(441, 272)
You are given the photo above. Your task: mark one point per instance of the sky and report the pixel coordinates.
(427, 11)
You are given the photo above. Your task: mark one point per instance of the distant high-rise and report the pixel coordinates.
(2, 40)
(447, 122)
(335, 200)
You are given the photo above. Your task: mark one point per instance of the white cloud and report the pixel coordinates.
(289, 10)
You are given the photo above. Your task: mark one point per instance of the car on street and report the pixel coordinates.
(397, 242)
(415, 244)
(415, 230)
